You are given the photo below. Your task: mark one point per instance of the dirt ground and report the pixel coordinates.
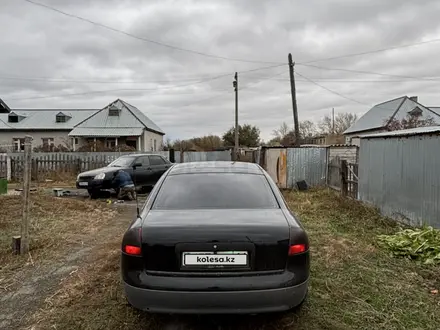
(354, 283)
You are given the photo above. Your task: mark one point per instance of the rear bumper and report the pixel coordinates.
(221, 302)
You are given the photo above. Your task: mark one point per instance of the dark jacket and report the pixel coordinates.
(122, 179)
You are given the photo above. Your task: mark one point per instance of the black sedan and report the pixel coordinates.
(215, 237)
(145, 169)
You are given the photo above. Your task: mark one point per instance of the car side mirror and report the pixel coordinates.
(136, 165)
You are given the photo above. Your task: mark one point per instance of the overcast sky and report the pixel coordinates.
(45, 54)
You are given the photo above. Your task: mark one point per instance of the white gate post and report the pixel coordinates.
(8, 168)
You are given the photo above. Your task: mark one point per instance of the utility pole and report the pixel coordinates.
(333, 120)
(24, 244)
(235, 84)
(295, 109)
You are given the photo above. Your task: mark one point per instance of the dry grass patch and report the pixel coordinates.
(354, 283)
(56, 224)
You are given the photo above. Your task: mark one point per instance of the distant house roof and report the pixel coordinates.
(129, 117)
(44, 119)
(378, 116)
(405, 132)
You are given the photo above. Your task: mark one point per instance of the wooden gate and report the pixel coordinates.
(350, 178)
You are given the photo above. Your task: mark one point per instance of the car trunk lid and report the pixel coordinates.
(259, 239)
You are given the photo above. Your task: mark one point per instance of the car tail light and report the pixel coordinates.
(132, 241)
(132, 250)
(297, 248)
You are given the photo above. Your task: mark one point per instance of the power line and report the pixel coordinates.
(228, 90)
(329, 90)
(143, 89)
(145, 39)
(360, 81)
(368, 72)
(118, 90)
(341, 95)
(371, 51)
(55, 80)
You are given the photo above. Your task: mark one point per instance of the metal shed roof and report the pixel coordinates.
(106, 132)
(378, 115)
(405, 132)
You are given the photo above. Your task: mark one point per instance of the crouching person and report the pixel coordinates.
(124, 184)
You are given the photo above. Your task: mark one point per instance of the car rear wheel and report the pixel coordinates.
(93, 193)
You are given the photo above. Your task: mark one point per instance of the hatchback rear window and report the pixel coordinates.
(215, 191)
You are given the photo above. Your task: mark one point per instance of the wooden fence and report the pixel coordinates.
(62, 166)
(343, 176)
(334, 180)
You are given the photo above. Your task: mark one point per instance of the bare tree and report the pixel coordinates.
(307, 129)
(411, 121)
(342, 122)
(286, 136)
(281, 131)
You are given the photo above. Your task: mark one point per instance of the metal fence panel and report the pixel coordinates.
(400, 176)
(309, 164)
(203, 156)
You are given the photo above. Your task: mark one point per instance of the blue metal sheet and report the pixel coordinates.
(400, 175)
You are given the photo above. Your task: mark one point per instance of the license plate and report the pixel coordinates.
(83, 184)
(224, 258)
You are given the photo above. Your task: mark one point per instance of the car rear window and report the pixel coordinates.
(215, 191)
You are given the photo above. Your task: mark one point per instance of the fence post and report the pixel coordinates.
(171, 155)
(344, 172)
(24, 244)
(34, 170)
(78, 165)
(8, 168)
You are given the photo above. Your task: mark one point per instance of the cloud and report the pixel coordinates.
(39, 43)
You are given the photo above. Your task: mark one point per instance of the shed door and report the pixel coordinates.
(276, 166)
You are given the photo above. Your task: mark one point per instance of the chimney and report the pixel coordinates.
(414, 98)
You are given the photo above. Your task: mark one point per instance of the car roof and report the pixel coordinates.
(137, 155)
(215, 167)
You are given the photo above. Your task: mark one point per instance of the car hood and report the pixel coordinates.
(99, 170)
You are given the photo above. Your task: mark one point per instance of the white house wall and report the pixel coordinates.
(148, 141)
(59, 137)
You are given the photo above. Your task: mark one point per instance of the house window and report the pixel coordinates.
(76, 141)
(18, 144)
(13, 118)
(154, 145)
(60, 119)
(113, 111)
(47, 141)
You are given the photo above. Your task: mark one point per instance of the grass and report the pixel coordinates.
(56, 224)
(354, 284)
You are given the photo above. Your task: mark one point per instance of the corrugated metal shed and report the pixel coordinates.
(44, 119)
(309, 164)
(129, 117)
(106, 132)
(404, 132)
(398, 108)
(400, 175)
